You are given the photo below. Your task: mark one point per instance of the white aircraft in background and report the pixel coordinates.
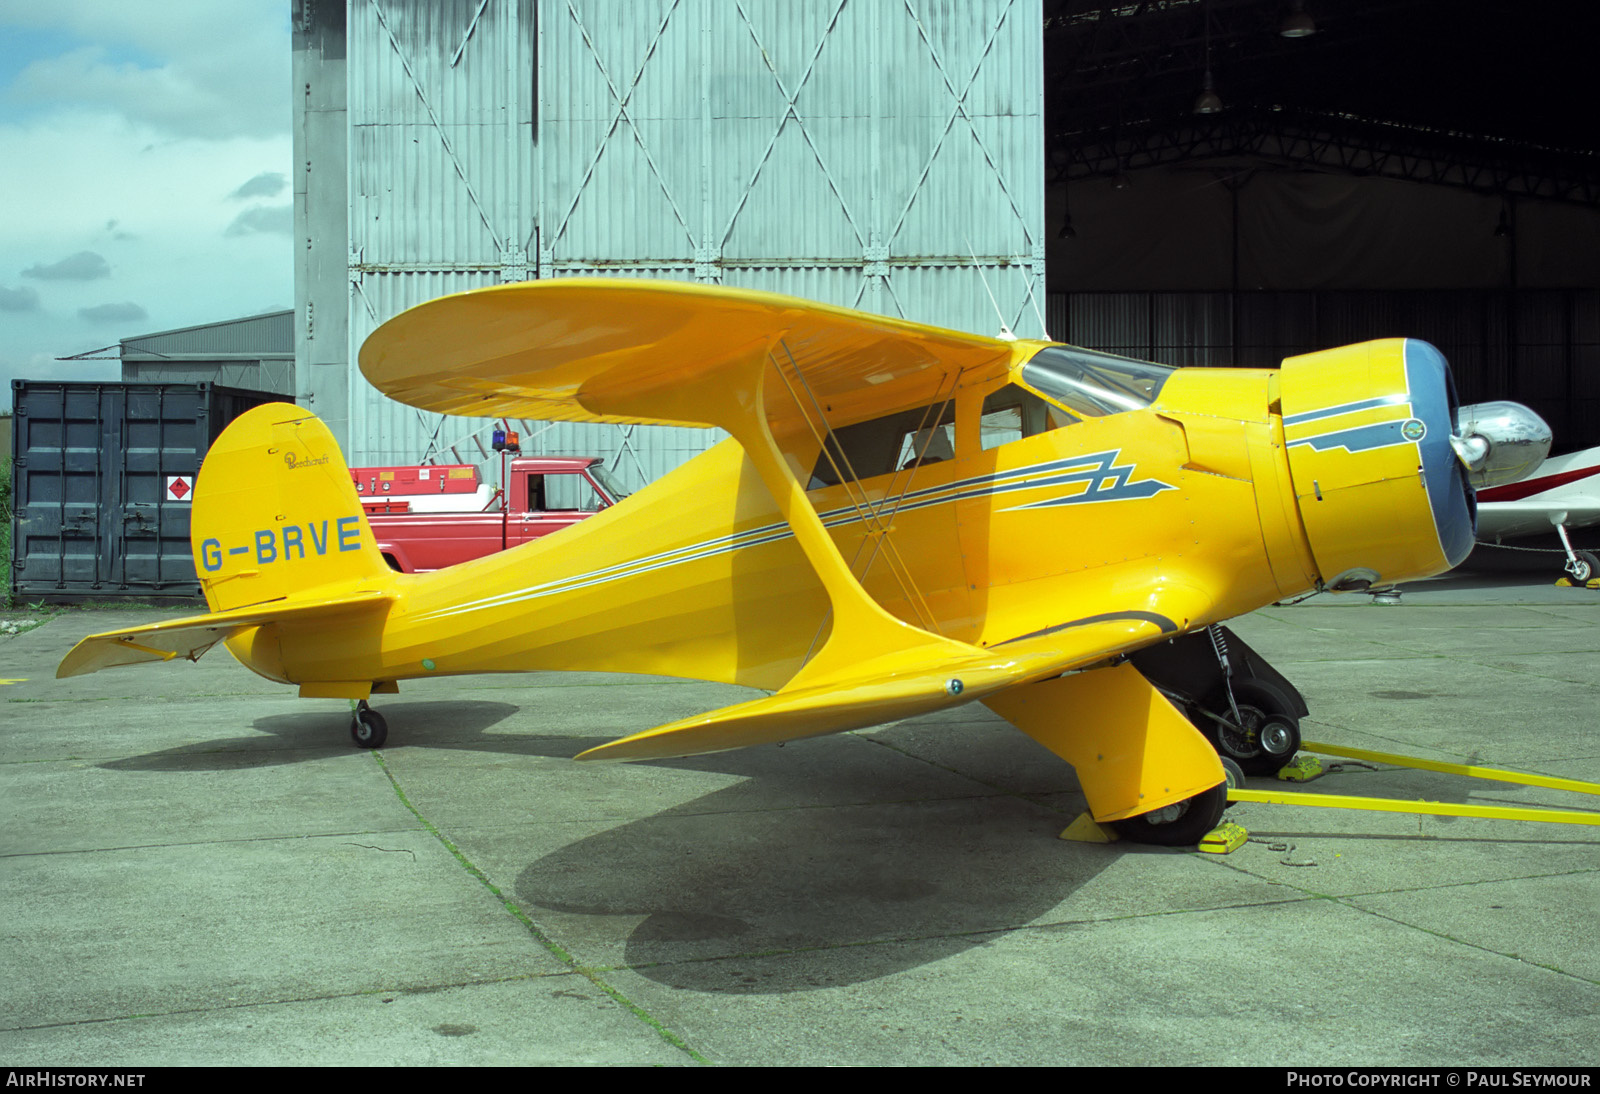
(1520, 493)
(1563, 493)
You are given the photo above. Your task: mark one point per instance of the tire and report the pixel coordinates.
(368, 728)
(1583, 567)
(1233, 776)
(1268, 735)
(1177, 825)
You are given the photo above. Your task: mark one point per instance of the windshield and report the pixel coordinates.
(1093, 383)
(609, 482)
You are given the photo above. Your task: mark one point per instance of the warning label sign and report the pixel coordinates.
(179, 487)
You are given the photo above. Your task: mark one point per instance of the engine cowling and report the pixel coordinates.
(1382, 493)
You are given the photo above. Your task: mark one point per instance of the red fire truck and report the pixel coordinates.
(426, 518)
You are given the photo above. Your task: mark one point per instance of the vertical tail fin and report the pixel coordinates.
(275, 512)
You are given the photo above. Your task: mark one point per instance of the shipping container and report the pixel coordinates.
(102, 480)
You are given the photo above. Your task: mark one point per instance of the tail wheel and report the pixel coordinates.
(1180, 824)
(367, 727)
(1267, 734)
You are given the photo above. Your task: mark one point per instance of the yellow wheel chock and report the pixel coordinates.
(1427, 808)
(1221, 840)
(1225, 838)
(1303, 769)
(1087, 830)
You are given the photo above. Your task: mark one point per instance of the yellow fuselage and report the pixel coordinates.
(1197, 508)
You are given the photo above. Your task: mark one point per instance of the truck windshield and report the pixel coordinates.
(1092, 383)
(609, 481)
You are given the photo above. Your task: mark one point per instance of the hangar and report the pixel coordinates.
(871, 153)
(1235, 181)
(1192, 181)
(255, 353)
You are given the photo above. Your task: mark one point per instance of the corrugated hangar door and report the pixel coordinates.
(440, 154)
(880, 154)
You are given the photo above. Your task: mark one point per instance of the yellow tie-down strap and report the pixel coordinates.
(1438, 809)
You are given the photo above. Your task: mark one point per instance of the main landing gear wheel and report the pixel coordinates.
(367, 727)
(1267, 735)
(1180, 824)
(1232, 776)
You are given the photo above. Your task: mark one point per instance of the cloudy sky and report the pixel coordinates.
(144, 173)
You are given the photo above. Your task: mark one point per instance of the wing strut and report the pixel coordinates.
(911, 473)
(865, 637)
(871, 514)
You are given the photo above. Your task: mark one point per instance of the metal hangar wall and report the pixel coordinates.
(879, 154)
(254, 353)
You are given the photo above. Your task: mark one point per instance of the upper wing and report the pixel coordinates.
(596, 349)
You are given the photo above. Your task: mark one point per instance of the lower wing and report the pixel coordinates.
(898, 685)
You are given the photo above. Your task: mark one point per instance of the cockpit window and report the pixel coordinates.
(1094, 384)
(1013, 413)
(895, 442)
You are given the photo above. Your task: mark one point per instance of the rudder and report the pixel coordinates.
(275, 512)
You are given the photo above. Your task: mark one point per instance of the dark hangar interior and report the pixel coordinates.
(1235, 181)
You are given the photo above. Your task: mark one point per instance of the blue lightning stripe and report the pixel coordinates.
(1023, 478)
(1346, 408)
(1093, 468)
(1363, 438)
(1121, 488)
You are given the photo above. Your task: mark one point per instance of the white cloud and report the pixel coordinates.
(263, 218)
(268, 184)
(203, 69)
(126, 312)
(83, 266)
(126, 137)
(23, 299)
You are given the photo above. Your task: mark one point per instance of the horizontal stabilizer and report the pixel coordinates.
(190, 637)
(881, 691)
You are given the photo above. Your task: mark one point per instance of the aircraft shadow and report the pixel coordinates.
(308, 735)
(774, 884)
(717, 896)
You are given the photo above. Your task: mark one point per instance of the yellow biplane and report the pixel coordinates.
(905, 519)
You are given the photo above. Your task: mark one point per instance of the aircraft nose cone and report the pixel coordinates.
(1450, 494)
(1500, 442)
